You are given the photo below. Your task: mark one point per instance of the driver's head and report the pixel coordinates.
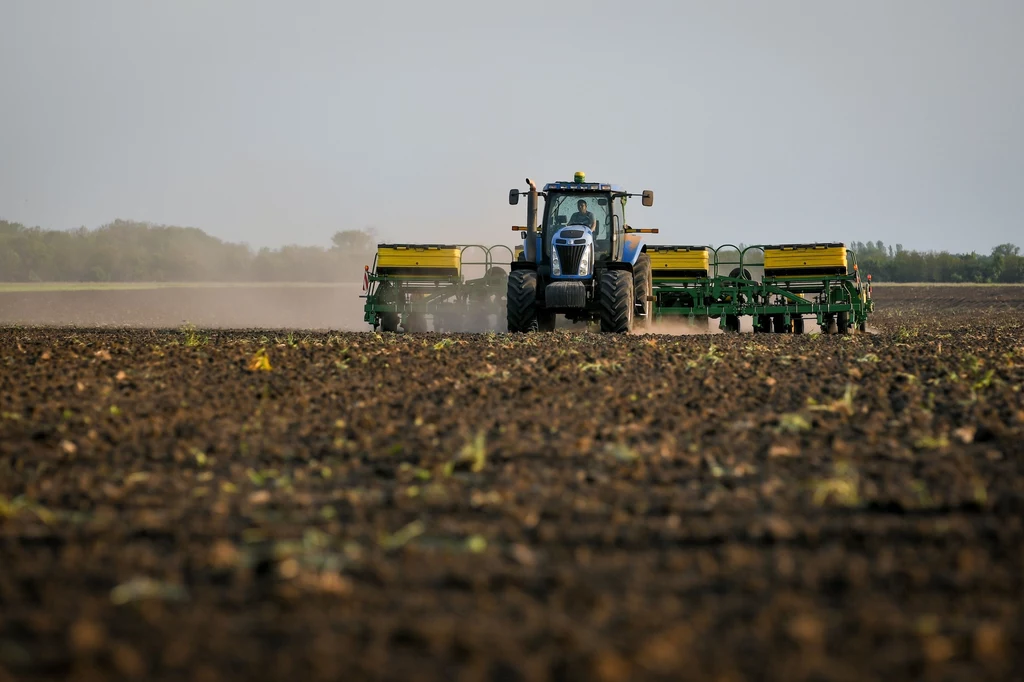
(581, 206)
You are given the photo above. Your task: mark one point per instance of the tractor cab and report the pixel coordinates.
(580, 227)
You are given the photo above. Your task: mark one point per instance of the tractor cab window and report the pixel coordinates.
(587, 210)
(618, 224)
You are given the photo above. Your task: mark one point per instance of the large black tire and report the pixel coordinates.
(616, 298)
(388, 292)
(843, 322)
(495, 279)
(642, 289)
(736, 273)
(521, 301)
(546, 321)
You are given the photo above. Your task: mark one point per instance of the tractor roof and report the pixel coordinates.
(582, 187)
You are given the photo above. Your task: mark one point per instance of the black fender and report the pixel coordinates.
(523, 265)
(618, 265)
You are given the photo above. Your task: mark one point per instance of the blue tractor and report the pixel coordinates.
(583, 261)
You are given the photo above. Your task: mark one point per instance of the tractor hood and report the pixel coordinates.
(572, 234)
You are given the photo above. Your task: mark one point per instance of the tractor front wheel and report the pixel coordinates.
(616, 297)
(521, 301)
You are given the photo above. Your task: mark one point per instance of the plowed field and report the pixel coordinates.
(204, 505)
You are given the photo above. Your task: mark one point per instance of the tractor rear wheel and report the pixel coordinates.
(642, 288)
(521, 301)
(742, 274)
(616, 300)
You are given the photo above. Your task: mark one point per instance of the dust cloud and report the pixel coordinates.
(334, 306)
(320, 306)
(679, 327)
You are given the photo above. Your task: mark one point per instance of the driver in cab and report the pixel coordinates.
(582, 216)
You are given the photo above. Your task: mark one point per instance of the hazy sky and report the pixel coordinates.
(282, 122)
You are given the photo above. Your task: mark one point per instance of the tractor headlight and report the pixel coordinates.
(556, 265)
(585, 261)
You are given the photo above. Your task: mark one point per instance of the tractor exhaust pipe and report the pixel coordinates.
(530, 247)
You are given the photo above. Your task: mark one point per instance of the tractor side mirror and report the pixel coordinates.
(522, 235)
(648, 198)
(513, 197)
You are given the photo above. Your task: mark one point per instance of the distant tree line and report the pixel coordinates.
(127, 251)
(896, 264)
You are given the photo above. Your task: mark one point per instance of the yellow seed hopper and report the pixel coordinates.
(805, 259)
(419, 260)
(678, 262)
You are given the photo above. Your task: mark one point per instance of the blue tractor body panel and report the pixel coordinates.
(632, 245)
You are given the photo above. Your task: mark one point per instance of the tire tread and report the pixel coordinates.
(521, 300)
(616, 298)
